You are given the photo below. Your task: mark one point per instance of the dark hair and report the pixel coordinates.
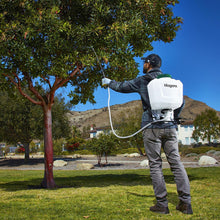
(154, 60)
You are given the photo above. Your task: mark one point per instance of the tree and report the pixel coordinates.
(22, 121)
(60, 126)
(85, 132)
(51, 43)
(207, 126)
(103, 145)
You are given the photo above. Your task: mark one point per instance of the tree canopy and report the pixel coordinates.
(207, 126)
(21, 120)
(47, 40)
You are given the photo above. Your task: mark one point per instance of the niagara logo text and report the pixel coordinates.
(171, 86)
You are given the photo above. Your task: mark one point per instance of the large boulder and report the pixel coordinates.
(59, 163)
(76, 156)
(84, 166)
(206, 160)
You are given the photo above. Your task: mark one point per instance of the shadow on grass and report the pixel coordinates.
(32, 161)
(20, 162)
(90, 180)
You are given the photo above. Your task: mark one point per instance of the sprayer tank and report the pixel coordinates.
(165, 93)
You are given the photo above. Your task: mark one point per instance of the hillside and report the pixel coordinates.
(100, 117)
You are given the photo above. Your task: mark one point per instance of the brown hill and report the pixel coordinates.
(100, 117)
(193, 108)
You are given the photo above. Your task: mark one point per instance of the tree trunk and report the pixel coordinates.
(48, 181)
(209, 139)
(27, 151)
(99, 156)
(139, 149)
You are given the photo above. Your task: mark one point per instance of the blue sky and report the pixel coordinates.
(193, 57)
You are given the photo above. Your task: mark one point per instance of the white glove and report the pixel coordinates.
(105, 81)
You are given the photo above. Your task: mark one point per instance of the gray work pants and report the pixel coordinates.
(154, 139)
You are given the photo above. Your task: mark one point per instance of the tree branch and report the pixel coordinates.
(60, 82)
(47, 81)
(18, 86)
(32, 89)
(11, 79)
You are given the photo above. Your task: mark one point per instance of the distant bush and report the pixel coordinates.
(20, 150)
(104, 145)
(192, 155)
(75, 144)
(73, 147)
(33, 147)
(84, 152)
(199, 150)
(57, 147)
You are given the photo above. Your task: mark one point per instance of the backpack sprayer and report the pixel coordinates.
(165, 95)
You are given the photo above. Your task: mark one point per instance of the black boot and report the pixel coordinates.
(159, 209)
(184, 208)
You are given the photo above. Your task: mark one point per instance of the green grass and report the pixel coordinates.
(113, 195)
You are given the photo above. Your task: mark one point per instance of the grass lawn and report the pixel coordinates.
(113, 195)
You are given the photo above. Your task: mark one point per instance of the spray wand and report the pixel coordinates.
(98, 62)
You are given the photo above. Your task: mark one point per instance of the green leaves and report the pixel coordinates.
(47, 38)
(20, 119)
(103, 145)
(207, 126)
(23, 121)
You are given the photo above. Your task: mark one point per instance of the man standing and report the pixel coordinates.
(158, 135)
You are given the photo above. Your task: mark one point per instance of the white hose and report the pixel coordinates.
(129, 136)
(109, 110)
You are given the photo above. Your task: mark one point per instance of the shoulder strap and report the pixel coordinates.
(164, 75)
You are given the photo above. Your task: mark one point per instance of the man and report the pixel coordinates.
(157, 135)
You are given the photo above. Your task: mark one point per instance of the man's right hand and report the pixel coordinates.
(105, 81)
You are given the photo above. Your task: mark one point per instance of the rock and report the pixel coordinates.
(134, 155)
(75, 156)
(217, 153)
(206, 160)
(84, 166)
(59, 163)
(163, 156)
(144, 163)
(210, 152)
(123, 155)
